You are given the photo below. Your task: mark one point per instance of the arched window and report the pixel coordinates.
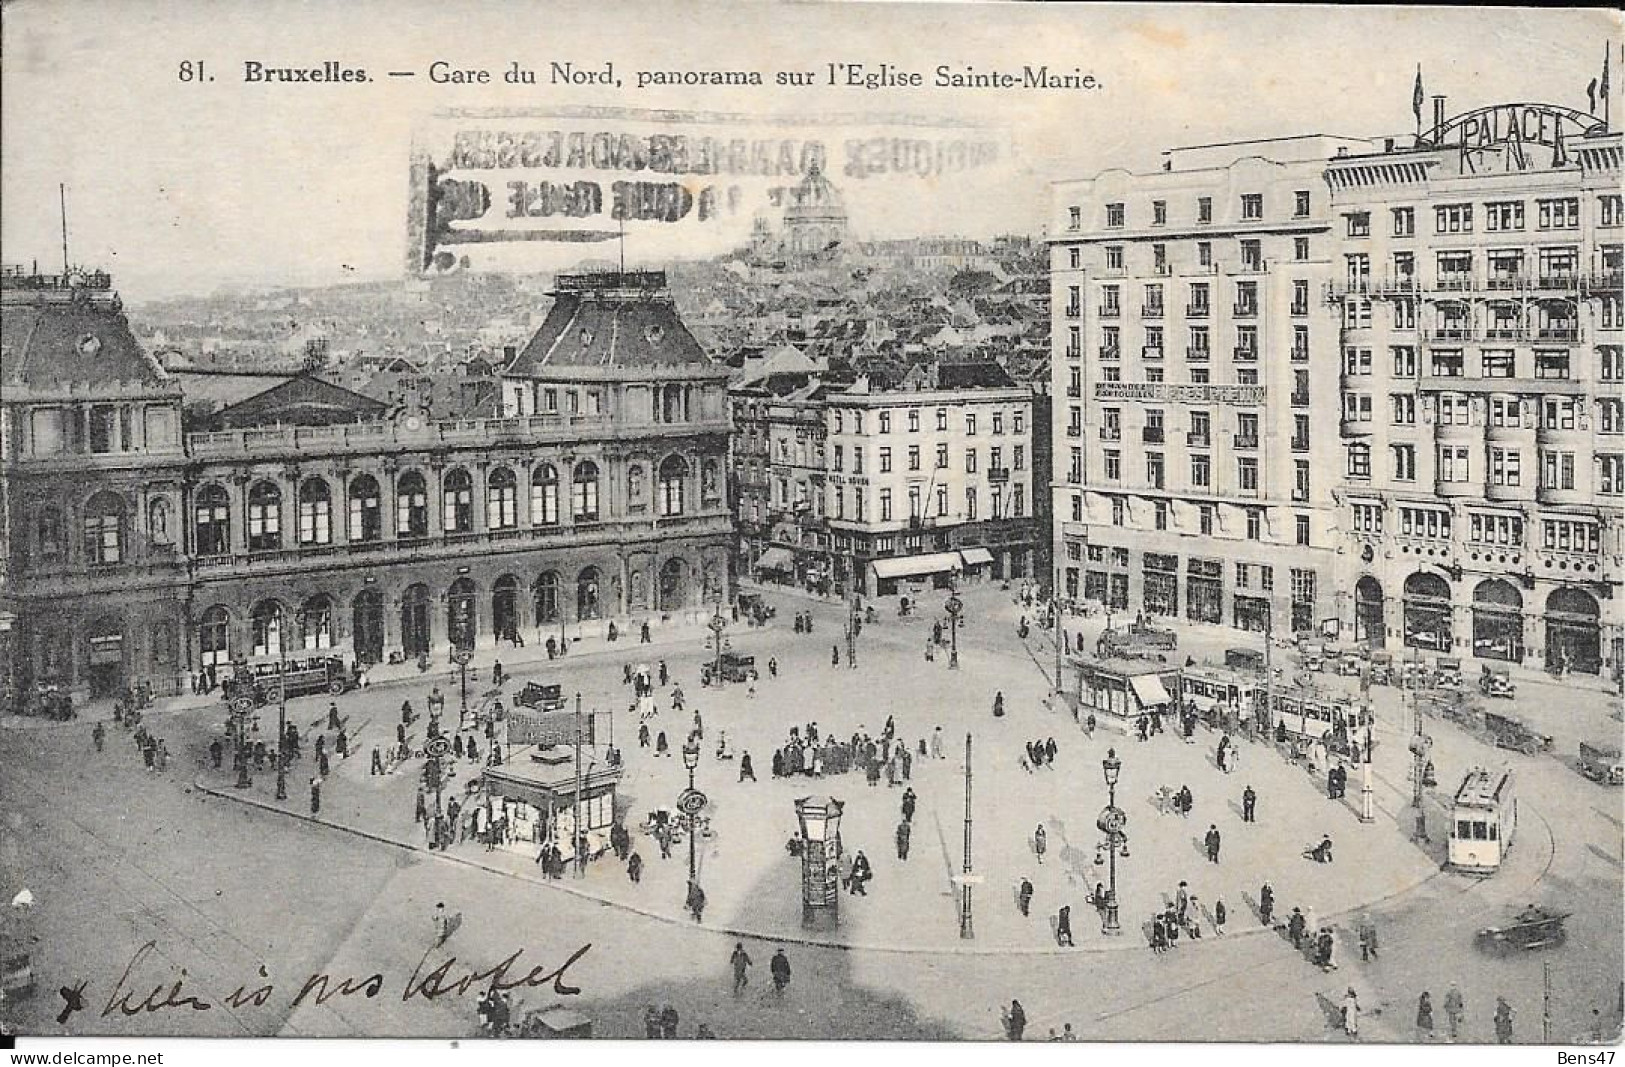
(214, 637)
(673, 473)
(367, 626)
(588, 605)
(673, 584)
(544, 495)
(415, 620)
(501, 500)
(366, 509)
(265, 629)
(411, 506)
(316, 622)
(104, 529)
(211, 521)
(584, 491)
(48, 539)
(315, 512)
(461, 624)
(264, 516)
(545, 597)
(505, 608)
(457, 502)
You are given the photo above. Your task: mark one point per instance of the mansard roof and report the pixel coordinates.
(62, 336)
(615, 323)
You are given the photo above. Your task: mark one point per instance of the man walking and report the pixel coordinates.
(909, 801)
(740, 961)
(780, 968)
(1454, 1011)
(902, 839)
(1212, 842)
(1063, 926)
(1249, 803)
(1040, 842)
(1266, 903)
(1024, 898)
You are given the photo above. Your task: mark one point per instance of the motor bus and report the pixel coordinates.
(1483, 821)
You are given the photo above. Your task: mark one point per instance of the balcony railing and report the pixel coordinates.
(1151, 352)
(1074, 431)
(1151, 435)
(1505, 333)
(1244, 310)
(1607, 281)
(1111, 311)
(1197, 311)
(1198, 440)
(1300, 444)
(998, 474)
(1300, 400)
(1506, 282)
(1151, 311)
(1161, 269)
(1247, 440)
(1454, 283)
(1246, 354)
(1299, 309)
(1073, 311)
(1111, 433)
(1558, 333)
(1109, 354)
(1560, 280)
(1074, 392)
(1448, 333)
(1253, 266)
(1198, 355)
(1300, 353)
(1073, 352)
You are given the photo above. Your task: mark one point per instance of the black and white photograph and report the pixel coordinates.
(810, 522)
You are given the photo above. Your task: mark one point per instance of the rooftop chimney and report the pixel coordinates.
(1438, 111)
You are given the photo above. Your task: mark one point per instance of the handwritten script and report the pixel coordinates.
(133, 995)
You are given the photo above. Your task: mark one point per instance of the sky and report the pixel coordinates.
(184, 186)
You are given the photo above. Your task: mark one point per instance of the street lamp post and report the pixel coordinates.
(852, 636)
(953, 606)
(967, 930)
(1111, 822)
(717, 625)
(241, 708)
(460, 656)
(1368, 804)
(1420, 744)
(691, 803)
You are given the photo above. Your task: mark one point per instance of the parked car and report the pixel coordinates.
(1600, 762)
(1496, 682)
(541, 697)
(1508, 732)
(736, 667)
(1447, 671)
(1244, 659)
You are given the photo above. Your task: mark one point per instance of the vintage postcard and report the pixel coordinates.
(962, 522)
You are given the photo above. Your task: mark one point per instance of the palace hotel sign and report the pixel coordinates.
(1508, 130)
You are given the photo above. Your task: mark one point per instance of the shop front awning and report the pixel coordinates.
(776, 559)
(1148, 689)
(909, 566)
(976, 557)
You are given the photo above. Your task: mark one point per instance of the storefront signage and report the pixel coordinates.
(1179, 393)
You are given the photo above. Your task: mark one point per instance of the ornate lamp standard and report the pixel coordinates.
(717, 625)
(460, 656)
(820, 821)
(1111, 822)
(1420, 744)
(691, 803)
(282, 752)
(852, 636)
(241, 708)
(953, 606)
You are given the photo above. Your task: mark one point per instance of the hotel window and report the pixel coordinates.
(1497, 364)
(1446, 363)
(1455, 268)
(1563, 214)
(1204, 253)
(1075, 469)
(1201, 472)
(840, 458)
(1300, 248)
(1074, 257)
(1074, 306)
(1159, 258)
(913, 457)
(1117, 511)
(1159, 511)
(1359, 223)
(1610, 363)
(1453, 218)
(1154, 470)
(970, 461)
(1300, 297)
(1111, 374)
(1252, 206)
(1300, 204)
(1252, 255)
(1077, 511)
(1453, 464)
(1357, 314)
(1505, 412)
(1404, 462)
(1611, 210)
(1356, 407)
(1204, 519)
(885, 461)
(1153, 374)
(1610, 415)
(1018, 459)
(1495, 530)
(1255, 524)
(838, 422)
(1559, 262)
(1359, 460)
(970, 424)
(998, 422)
(1112, 465)
(858, 504)
(942, 500)
(970, 502)
(885, 422)
(1553, 364)
(1368, 518)
(1114, 257)
(913, 420)
(1506, 466)
(1199, 304)
(1074, 342)
(885, 505)
(1404, 221)
(1404, 409)
(1247, 474)
(857, 459)
(1074, 217)
(995, 459)
(1503, 216)
(942, 457)
(1611, 466)
(1114, 216)
(1300, 344)
(1303, 529)
(1153, 299)
(1357, 361)
(1199, 341)
(1558, 414)
(1246, 376)
(1204, 209)
(942, 418)
(1018, 422)
(1159, 212)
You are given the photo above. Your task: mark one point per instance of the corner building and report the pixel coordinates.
(1479, 288)
(1195, 377)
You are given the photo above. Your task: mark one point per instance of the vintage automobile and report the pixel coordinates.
(1600, 762)
(1534, 927)
(1311, 655)
(735, 667)
(1507, 732)
(1496, 682)
(1349, 664)
(541, 697)
(1152, 635)
(1447, 671)
(1382, 668)
(267, 683)
(1244, 659)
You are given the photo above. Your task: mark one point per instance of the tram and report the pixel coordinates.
(1301, 717)
(1483, 821)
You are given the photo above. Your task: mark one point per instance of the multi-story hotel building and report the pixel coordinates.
(1479, 286)
(930, 479)
(316, 522)
(1194, 379)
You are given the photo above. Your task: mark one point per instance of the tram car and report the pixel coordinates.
(1302, 716)
(1483, 822)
